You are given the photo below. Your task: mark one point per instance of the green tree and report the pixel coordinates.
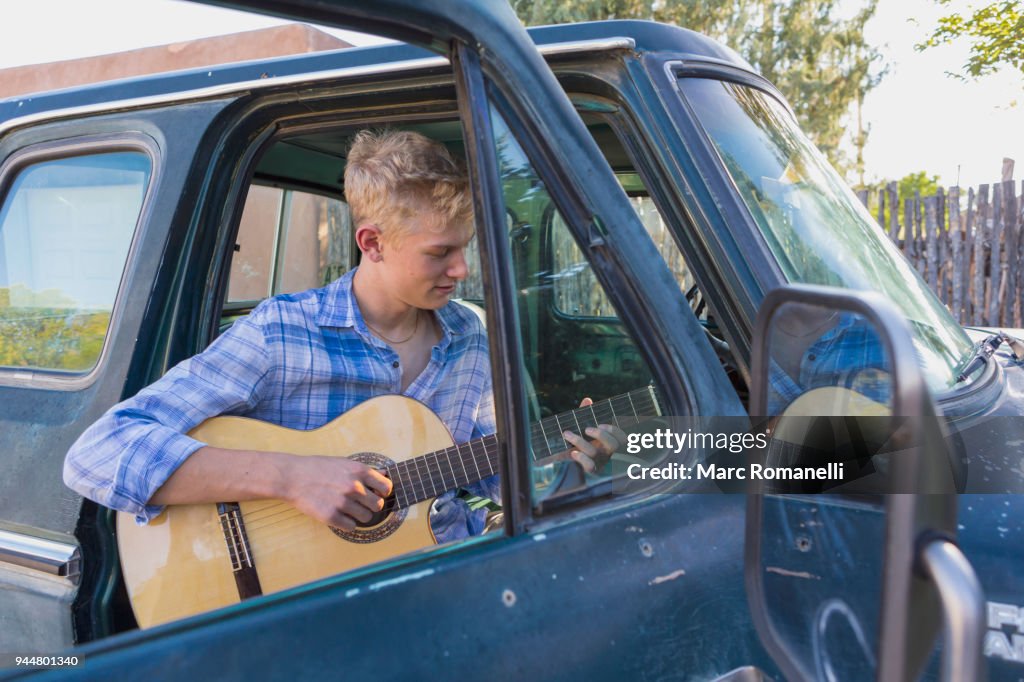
(995, 34)
(920, 182)
(820, 62)
(910, 185)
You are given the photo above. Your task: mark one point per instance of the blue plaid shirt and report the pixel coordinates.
(299, 361)
(850, 355)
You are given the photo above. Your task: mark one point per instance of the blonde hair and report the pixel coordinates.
(392, 175)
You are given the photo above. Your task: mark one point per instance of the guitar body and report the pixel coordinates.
(180, 563)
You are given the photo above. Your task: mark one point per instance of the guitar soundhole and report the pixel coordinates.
(384, 522)
(378, 517)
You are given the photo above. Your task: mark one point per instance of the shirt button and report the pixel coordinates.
(812, 357)
(395, 364)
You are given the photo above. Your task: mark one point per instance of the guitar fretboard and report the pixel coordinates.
(430, 475)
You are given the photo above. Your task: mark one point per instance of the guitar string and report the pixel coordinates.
(490, 449)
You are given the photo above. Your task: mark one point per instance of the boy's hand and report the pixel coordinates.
(594, 453)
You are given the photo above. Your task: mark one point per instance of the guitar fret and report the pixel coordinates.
(465, 472)
(487, 459)
(544, 435)
(537, 432)
(433, 485)
(562, 443)
(637, 399)
(475, 464)
(430, 474)
(396, 485)
(431, 470)
(559, 440)
(419, 476)
(473, 456)
(455, 480)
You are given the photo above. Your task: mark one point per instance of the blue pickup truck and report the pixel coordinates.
(653, 231)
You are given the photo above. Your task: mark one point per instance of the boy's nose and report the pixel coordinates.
(458, 269)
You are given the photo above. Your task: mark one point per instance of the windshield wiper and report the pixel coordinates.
(981, 353)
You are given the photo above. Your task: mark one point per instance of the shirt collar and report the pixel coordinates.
(339, 308)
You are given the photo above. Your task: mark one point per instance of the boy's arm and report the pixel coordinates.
(334, 490)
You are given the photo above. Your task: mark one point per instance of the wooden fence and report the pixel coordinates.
(967, 246)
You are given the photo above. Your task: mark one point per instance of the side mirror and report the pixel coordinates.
(836, 379)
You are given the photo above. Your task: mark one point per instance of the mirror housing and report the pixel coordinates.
(919, 493)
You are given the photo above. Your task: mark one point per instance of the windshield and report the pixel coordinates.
(814, 225)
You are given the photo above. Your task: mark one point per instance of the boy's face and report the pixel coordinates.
(422, 266)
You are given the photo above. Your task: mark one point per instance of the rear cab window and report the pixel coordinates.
(66, 227)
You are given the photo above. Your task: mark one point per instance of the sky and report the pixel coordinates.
(919, 118)
(923, 120)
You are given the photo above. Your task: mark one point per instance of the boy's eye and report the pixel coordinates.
(439, 254)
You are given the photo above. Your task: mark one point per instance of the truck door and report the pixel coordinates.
(851, 563)
(94, 213)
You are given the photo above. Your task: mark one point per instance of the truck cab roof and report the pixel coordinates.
(640, 36)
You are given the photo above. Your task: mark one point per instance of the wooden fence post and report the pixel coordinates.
(980, 233)
(1012, 239)
(919, 233)
(997, 273)
(956, 246)
(1019, 292)
(910, 231)
(931, 252)
(894, 213)
(881, 208)
(943, 236)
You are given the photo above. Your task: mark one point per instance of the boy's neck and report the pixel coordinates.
(378, 308)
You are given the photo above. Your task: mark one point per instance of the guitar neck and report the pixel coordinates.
(430, 475)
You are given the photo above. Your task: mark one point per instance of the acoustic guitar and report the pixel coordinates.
(195, 558)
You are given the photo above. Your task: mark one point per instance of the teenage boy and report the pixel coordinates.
(300, 360)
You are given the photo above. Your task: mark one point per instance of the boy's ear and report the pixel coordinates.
(368, 239)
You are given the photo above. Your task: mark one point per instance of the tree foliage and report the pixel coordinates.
(995, 33)
(909, 186)
(819, 61)
(919, 183)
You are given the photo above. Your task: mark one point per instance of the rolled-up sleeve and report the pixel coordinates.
(122, 459)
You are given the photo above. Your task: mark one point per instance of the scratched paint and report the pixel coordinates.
(792, 574)
(401, 579)
(665, 578)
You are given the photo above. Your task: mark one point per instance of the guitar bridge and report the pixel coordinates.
(242, 565)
